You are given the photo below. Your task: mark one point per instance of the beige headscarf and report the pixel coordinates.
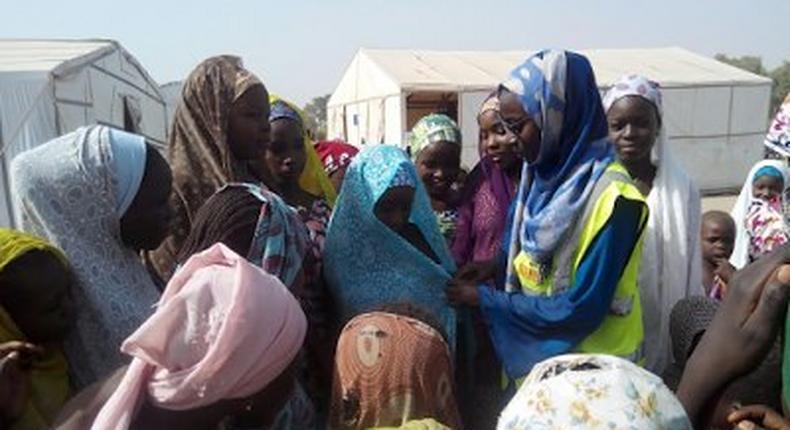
(199, 152)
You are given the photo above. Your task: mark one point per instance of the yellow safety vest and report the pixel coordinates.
(621, 333)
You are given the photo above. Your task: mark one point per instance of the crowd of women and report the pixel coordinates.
(253, 279)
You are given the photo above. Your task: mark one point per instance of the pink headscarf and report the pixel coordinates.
(223, 329)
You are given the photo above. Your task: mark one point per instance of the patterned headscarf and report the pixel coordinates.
(431, 129)
(224, 329)
(335, 154)
(389, 370)
(313, 179)
(778, 137)
(366, 264)
(574, 152)
(49, 381)
(199, 151)
(66, 191)
(593, 391)
(253, 222)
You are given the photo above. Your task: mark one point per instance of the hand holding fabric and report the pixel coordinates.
(14, 381)
(756, 417)
(476, 272)
(460, 293)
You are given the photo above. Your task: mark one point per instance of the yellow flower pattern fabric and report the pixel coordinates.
(593, 392)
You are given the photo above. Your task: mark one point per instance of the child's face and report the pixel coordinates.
(718, 239)
(767, 188)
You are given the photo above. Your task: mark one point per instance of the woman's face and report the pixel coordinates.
(517, 123)
(36, 294)
(147, 221)
(499, 145)
(633, 128)
(285, 155)
(394, 207)
(438, 165)
(248, 124)
(767, 188)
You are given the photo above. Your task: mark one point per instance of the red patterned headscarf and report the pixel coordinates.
(335, 154)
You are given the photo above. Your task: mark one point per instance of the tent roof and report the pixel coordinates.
(59, 56)
(22, 55)
(377, 73)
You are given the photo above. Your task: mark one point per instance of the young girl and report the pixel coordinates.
(219, 131)
(383, 245)
(435, 145)
(758, 213)
(35, 314)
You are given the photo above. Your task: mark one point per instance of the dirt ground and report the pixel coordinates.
(721, 203)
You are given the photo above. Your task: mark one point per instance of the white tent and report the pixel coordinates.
(51, 87)
(171, 92)
(716, 114)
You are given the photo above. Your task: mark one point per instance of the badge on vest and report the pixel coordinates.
(531, 274)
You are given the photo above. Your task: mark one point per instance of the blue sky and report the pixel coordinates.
(301, 48)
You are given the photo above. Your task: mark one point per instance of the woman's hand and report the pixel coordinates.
(15, 357)
(460, 293)
(476, 272)
(742, 332)
(758, 416)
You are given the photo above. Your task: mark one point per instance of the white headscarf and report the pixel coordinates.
(671, 267)
(579, 391)
(67, 191)
(740, 252)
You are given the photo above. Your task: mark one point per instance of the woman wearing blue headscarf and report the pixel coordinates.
(384, 245)
(569, 280)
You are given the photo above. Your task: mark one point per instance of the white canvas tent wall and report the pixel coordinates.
(716, 114)
(51, 87)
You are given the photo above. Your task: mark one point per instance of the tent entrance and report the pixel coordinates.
(421, 103)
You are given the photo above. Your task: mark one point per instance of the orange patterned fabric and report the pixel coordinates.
(389, 370)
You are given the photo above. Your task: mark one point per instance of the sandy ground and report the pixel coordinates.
(721, 203)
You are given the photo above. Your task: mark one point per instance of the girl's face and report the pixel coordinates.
(394, 207)
(285, 156)
(633, 128)
(767, 188)
(248, 124)
(438, 166)
(499, 145)
(147, 221)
